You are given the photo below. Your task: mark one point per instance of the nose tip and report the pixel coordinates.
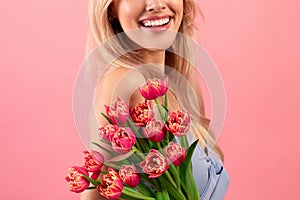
(155, 5)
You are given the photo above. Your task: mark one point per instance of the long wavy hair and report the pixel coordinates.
(103, 26)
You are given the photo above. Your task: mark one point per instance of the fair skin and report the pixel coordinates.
(150, 21)
(153, 17)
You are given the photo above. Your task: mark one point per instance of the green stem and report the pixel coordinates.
(171, 189)
(98, 145)
(131, 192)
(143, 141)
(112, 165)
(165, 193)
(175, 175)
(183, 141)
(157, 185)
(126, 197)
(140, 154)
(170, 178)
(135, 131)
(95, 183)
(159, 146)
(107, 118)
(160, 109)
(144, 189)
(166, 101)
(149, 181)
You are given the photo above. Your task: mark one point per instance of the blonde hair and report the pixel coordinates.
(103, 27)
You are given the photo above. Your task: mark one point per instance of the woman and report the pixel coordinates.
(151, 47)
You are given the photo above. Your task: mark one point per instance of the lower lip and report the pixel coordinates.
(158, 29)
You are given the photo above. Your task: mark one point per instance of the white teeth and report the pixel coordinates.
(157, 22)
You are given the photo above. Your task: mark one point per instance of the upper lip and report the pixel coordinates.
(155, 17)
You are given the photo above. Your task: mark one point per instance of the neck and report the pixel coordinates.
(156, 57)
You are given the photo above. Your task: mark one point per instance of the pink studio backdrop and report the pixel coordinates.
(254, 43)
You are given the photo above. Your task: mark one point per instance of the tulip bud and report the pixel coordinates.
(130, 175)
(142, 113)
(111, 185)
(178, 123)
(93, 161)
(155, 164)
(155, 130)
(77, 183)
(175, 153)
(118, 112)
(154, 88)
(122, 140)
(108, 129)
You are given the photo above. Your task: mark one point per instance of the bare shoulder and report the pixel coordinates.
(117, 82)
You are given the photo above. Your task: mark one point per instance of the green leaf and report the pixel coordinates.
(183, 141)
(124, 196)
(136, 133)
(175, 175)
(107, 118)
(162, 112)
(143, 141)
(185, 165)
(106, 142)
(186, 176)
(131, 192)
(166, 109)
(149, 181)
(95, 183)
(121, 156)
(159, 196)
(151, 144)
(165, 194)
(105, 149)
(170, 179)
(145, 189)
(171, 136)
(135, 158)
(192, 190)
(115, 166)
(171, 189)
(132, 126)
(190, 151)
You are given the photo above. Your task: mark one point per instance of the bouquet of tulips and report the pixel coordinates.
(150, 157)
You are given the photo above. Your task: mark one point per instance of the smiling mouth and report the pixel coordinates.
(155, 22)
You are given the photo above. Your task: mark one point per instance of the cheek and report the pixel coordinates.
(177, 4)
(177, 7)
(127, 15)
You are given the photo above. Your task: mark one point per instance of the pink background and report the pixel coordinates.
(254, 43)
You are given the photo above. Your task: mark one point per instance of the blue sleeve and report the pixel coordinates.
(211, 177)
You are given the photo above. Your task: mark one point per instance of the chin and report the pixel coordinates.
(153, 41)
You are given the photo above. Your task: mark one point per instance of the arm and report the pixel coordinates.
(121, 83)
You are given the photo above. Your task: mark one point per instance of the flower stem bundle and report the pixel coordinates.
(151, 158)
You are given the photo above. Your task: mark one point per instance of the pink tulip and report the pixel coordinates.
(77, 183)
(175, 153)
(93, 161)
(122, 140)
(155, 164)
(111, 185)
(108, 129)
(178, 123)
(118, 112)
(155, 130)
(130, 175)
(142, 113)
(154, 88)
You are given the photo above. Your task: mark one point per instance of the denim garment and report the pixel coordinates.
(211, 177)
